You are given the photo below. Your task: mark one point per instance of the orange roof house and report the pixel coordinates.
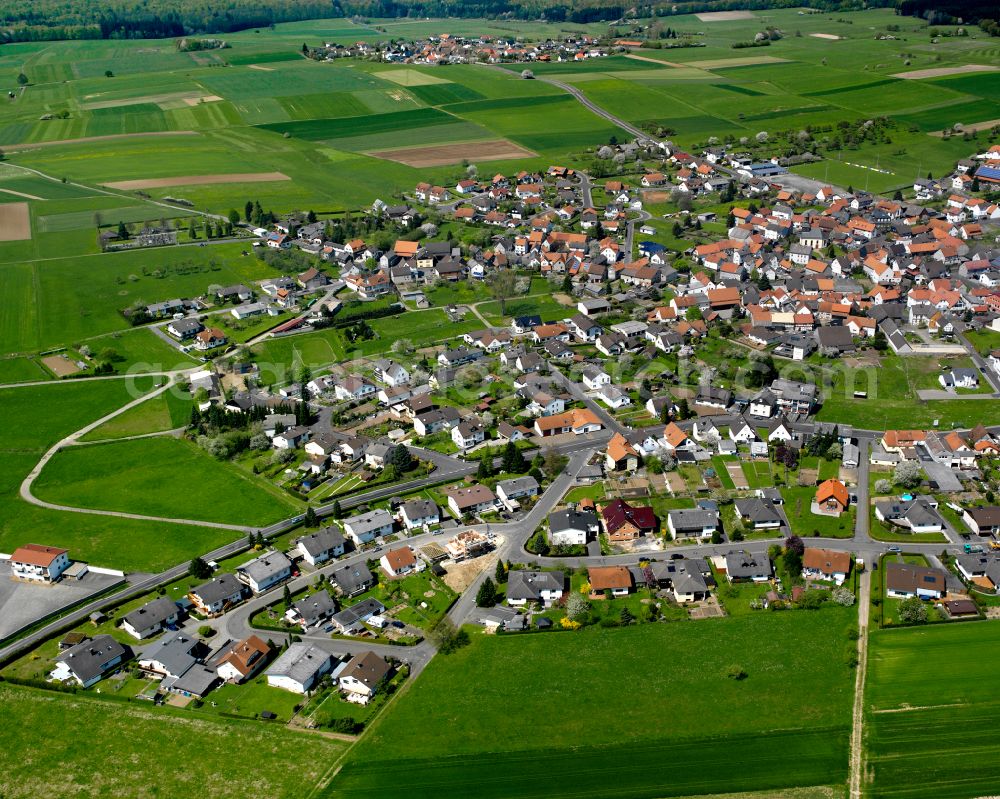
(832, 496)
(406, 249)
(621, 455)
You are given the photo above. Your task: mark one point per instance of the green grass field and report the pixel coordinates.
(89, 741)
(168, 411)
(160, 477)
(591, 733)
(45, 414)
(930, 729)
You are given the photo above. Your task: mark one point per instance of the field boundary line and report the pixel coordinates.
(910, 708)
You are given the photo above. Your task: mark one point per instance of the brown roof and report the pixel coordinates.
(604, 578)
(368, 668)
(400, 558)
(827, 561)
(471, 496)
(36, 555)
(907, 578)
(577, 417)
(246, 655)
(674, 435)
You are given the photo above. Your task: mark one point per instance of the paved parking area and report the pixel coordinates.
(22, 603)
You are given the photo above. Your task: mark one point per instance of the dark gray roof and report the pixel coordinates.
(315, 607)
(176, 652)
(89, 659)
(692, 519)
(350, 617)
(743, 565)
(152, 614)
(530, 584)
(757, 510)
(352, 577)
(419, 508)
(325, 540)
(222, 587)
(572, 520)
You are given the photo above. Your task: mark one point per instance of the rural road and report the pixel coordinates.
(857, 767)
(594, 108)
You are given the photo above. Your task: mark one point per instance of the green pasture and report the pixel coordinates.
(90, 738)
(603, 732)
(45, 414)
(167, 411)
(160, 477)
(930, 729)
(59, 302)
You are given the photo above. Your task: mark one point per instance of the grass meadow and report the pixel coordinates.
(676, 726)
(160, 477)
(46, 413)
(100, 747)
(931, 728)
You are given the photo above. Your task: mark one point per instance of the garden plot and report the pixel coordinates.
(738, 477)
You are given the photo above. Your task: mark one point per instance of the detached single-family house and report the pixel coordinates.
(572, 527)
(983, 520)
(400, 562)
(368, 526)
(89, 662)
(745, 567)
(534, 586)
(352, 578)
(905, 580)
(616, 579)
(363, 676)
(826, 564)
(313, 610)
(419, 512)
(692, 523)
(471, 500)
(151, 618)
(759, 514)
(215, 596)
(241, 660)
(832, 497)
(265, 571)
(321, 546)
(299, 668)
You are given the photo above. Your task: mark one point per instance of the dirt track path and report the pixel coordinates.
(857, 768)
